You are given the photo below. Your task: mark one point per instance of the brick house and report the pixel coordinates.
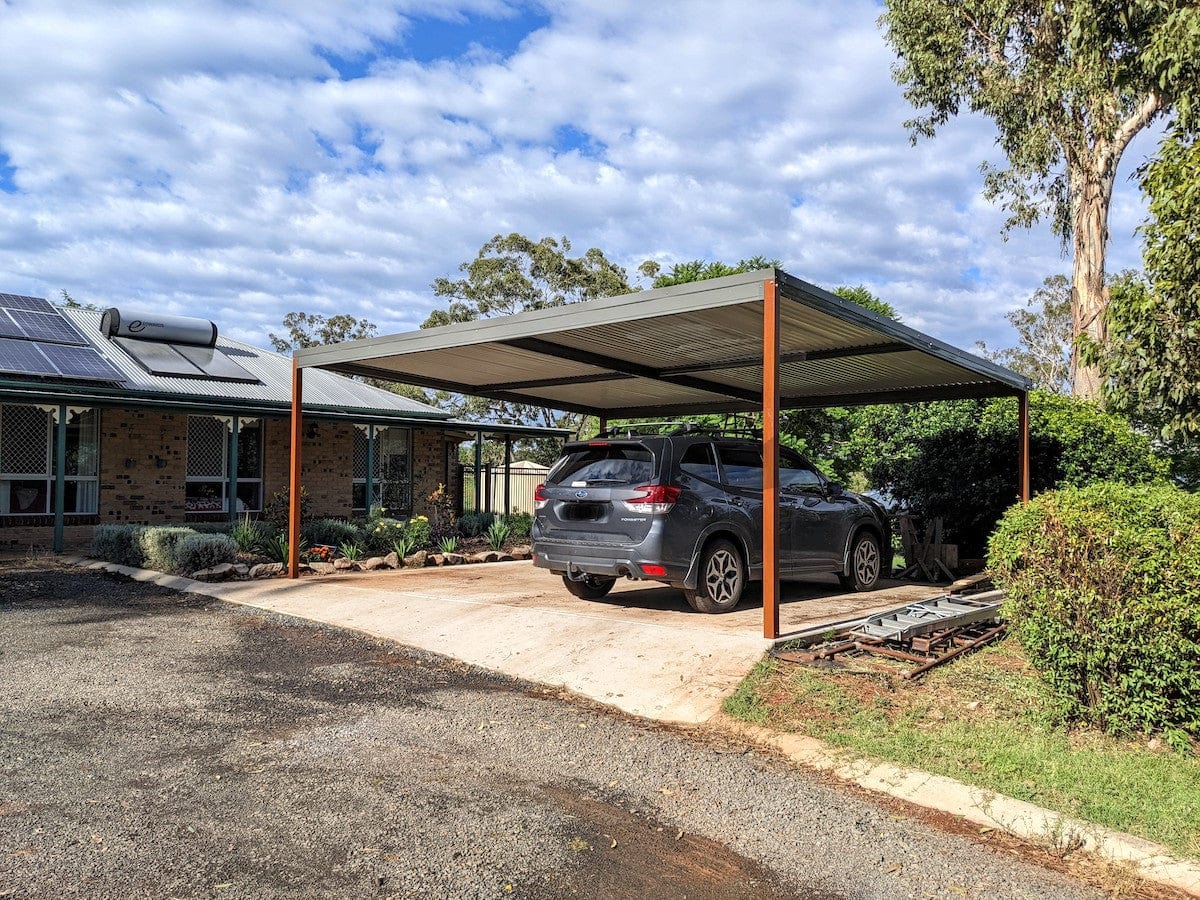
(98, 425)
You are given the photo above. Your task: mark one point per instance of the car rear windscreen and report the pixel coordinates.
(603, 465)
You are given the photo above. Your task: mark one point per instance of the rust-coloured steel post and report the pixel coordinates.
(603, 424)
(770, 429)
(1023, 438)
(294, 485)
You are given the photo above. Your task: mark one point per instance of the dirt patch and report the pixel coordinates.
(631, 855)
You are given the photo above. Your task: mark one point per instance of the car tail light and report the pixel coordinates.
(656, 571)
(655, 499)
(540, 497)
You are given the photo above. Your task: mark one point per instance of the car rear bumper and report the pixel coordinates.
(606, 560)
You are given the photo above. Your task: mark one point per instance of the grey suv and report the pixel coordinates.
(685, 508)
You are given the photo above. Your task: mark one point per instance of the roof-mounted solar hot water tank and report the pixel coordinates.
(174, 346)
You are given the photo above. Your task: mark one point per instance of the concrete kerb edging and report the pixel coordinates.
(985, 808)
(988, 809)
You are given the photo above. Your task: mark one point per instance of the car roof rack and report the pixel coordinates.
(671, 429)
(725, 430)
(639, 429)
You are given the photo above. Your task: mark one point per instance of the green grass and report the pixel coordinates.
(984, 720)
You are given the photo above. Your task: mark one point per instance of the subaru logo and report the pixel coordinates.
(579, 495)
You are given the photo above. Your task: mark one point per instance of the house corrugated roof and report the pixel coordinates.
(274, 372)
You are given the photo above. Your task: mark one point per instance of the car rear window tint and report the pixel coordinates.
(604, 465)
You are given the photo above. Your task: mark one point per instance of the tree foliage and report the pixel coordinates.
(314, 330)
(958, 459)
(1044, 337)
(1068, 85)
(700, 270)
(1152, 364)
(513, 273)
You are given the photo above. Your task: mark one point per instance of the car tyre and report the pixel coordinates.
(866, 562)
(590, 587)
(722, 579)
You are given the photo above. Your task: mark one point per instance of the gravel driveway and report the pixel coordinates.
(155, 745)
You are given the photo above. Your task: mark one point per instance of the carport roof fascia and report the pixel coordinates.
(984, 378)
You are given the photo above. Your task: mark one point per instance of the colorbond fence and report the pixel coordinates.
(523, 483)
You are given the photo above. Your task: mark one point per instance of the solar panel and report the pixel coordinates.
(46, 327)
(21, 357)
(9, 326)
(33, 304)
(80, 362)
(215, 364)
(24, 358)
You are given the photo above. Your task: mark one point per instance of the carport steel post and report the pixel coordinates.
(770, 432)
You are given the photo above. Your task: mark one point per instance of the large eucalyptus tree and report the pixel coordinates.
(1068, 83)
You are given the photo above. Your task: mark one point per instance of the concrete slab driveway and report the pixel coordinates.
(642, 649)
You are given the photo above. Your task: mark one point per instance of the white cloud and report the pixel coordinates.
(210, 159)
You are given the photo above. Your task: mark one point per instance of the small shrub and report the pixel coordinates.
(383, 533)
(159, 543)
(497, 534)
(1103, 590)
(276, 548)
(277, 509)
(418, 528)
(404, 546)
(333, 532)
(448, 544)
(352, 552)
(476, 523)
(118, 544)
(202, 551)
(519, 524)
(247, 535)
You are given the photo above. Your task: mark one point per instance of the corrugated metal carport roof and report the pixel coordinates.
(686, 349)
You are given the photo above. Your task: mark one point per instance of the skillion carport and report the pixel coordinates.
(759, 341)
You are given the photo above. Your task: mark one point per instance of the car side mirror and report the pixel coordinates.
(836, 487)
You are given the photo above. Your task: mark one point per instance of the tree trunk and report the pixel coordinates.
(1089, 292)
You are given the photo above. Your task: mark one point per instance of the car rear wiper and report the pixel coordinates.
(606, 481)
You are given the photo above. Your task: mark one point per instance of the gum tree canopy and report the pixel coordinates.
(1068, 83)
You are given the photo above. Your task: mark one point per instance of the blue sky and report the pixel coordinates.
(239, 161)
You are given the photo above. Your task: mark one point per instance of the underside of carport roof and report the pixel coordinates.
(758, 341)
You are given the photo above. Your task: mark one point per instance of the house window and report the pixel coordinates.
(391, 480)
(210, 443)
(28, 464)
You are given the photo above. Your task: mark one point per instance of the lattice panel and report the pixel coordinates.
(24, 440)
(207, 443)
(360, 454)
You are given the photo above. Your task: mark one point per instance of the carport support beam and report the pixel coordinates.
(1023, 452)
(294, 485)
(770, 429)
(603, 425)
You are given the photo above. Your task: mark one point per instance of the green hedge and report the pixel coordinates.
(202, 551)
(118, 544)
(164, 548)
(1103, 590)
